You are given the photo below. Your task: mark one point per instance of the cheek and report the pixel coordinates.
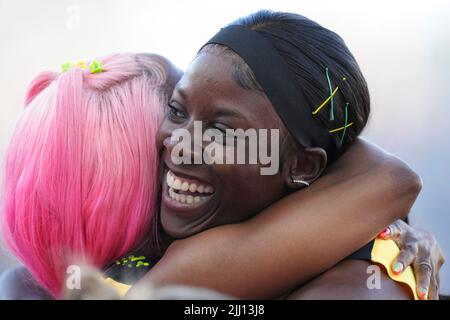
(245, 190)
(238, 175)
(159, 139)
(164, 131)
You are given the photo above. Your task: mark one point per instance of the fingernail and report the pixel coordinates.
(383, 234)
(397, 267)
(422, 293)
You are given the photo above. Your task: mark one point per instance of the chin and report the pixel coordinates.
(176, 232)
(177, 228)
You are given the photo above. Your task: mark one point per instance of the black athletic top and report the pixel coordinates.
(130, 269)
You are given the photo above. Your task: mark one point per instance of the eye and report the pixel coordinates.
(176, 113)
(224, 131)
(220, 128)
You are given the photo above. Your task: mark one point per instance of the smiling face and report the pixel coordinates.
(196, 197)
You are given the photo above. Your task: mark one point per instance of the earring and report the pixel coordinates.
(298, 181)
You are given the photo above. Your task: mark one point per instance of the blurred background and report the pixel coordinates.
(403, 48)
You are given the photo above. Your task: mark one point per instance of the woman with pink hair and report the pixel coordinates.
(80, 179)
(82, 183)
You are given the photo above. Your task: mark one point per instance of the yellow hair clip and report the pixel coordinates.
(80, 64)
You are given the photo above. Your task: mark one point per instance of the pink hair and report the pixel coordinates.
(81, 168)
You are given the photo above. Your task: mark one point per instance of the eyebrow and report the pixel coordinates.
(223, 112)
(229, 113)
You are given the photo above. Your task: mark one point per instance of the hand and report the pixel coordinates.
(419, 249)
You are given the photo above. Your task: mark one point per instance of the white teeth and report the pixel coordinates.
(172, 194)
(177, 183)
(185, 186)
(182, 198)
(168, 176)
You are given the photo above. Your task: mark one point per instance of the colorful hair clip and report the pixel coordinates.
(331, 98)
(346, 125)
(96, 66)
(80, 64)
(66, 66)
(331, 94)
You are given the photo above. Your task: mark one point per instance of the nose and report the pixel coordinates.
(185, 145)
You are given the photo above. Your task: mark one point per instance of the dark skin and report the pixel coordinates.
(232, 247)
(226, 257)
(347, 281)
(208, 93)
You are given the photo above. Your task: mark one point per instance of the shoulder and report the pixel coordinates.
(353, 280)
(18, 284)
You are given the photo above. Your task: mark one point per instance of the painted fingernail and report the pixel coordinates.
(383, 234)
(397, 267)
(422, 293)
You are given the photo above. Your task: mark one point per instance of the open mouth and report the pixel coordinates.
(187, 191)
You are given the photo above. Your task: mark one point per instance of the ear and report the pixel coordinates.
(306, 165)
(38, 84)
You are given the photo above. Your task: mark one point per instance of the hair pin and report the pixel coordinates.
(331, 100)
(94, 67)
(331, 95)
(66, 66)
(346, 125)
(80, 64)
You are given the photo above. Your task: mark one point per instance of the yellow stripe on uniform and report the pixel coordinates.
(384, 252)
(120, 288)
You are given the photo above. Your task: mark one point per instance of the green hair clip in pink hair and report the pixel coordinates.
(66, 66)
(94, 67)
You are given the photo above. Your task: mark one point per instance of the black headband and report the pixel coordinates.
(274, 76)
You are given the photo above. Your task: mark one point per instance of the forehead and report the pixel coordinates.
(210, 71)
(208, 82)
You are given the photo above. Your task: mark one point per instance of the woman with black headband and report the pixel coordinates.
(274, 71)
